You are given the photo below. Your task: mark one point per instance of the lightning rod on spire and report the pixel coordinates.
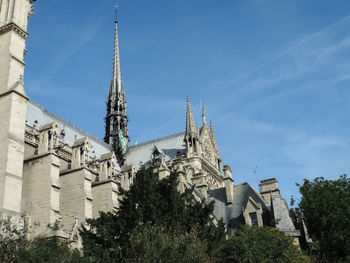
(116, 12)
(116, 7)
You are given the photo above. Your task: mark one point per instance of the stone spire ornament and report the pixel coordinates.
(116, 119)
(213, 136)
(204, 117)
(190, 126)
(116, 75)
(191, 134)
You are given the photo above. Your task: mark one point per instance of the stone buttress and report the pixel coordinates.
(14, 16)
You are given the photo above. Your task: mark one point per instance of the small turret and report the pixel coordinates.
(191, 135)
(48, 137)
(107, 166)
(80, 153)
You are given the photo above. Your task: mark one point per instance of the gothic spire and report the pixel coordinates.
(116, 119)
(116, 85)
(190, 126)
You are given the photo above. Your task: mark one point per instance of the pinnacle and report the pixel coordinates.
(212, 134)
(203, 116)
(190, 126)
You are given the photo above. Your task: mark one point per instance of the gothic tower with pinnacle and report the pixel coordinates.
(13, 101)
(116, 119)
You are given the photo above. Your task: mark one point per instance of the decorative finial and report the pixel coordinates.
(189, 111)
(116, 12)
(203, 116)
(212, 132)
(190, 126)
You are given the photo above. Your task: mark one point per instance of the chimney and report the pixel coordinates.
(269, 188)
(228, 184)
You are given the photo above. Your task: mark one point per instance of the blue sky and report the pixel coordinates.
(273, 75)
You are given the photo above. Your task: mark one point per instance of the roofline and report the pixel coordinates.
(269, 180)
(256, 192)
(133, 147)
(67, 123)
(259, 195)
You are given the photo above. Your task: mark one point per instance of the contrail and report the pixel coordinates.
(288, 50)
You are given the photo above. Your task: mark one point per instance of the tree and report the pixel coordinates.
(16, 248)
(11, 238)
(297, 219)
(325, 205)
(151, 202)
(150, 244)
(259, 244)
(43, 250)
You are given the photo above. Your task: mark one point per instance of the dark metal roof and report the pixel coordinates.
(170, 146)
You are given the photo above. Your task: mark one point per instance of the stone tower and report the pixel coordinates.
(116, 119)
(14, 16)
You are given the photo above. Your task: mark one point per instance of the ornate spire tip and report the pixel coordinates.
(116, 13)
(203, 116)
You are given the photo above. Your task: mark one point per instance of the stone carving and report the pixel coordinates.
(207, 150)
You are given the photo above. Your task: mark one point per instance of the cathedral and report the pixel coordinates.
(53, 171)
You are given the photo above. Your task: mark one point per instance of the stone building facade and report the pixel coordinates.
(52, 171)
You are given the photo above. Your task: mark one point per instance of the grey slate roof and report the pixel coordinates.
(37, 113)
(170, 145)
(232, 214)
(280, 212)
(219, 195)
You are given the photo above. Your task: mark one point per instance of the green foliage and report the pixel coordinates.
(325, 206)
(156, 244)
(297, 219)
(11, 238)
(259, 244)
(153, 203)
(16, 248)
(156, 223)
(43, 250)
(292, 201)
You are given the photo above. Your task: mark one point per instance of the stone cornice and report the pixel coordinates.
(12, 26)
(269, 191)
(67, 171)
(39, 156)
(18, 60)
(210, 167)
(107, 181)
(7, 92)
(6, 212)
